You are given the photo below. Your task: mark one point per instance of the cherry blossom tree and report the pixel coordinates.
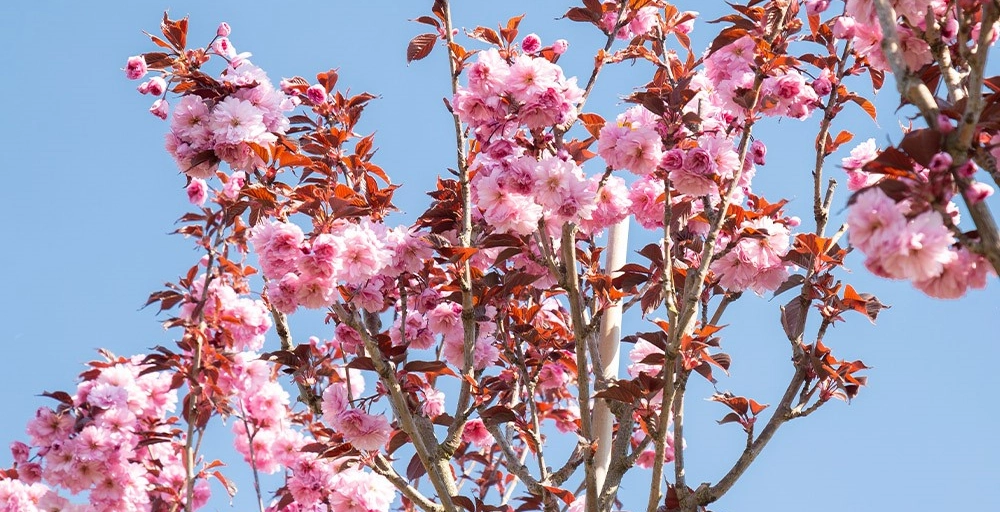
(456, 348)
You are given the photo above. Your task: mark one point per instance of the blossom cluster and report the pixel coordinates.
(916, 246)
(98, 442)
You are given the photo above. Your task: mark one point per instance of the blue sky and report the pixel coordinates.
(91, 195)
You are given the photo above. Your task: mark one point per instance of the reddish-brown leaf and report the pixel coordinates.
(420, 47)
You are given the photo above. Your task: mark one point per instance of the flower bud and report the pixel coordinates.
(844, 27)
(316, 94)
(223, 30)
(940, 162)
(967, 170)
(160, 108)
(531, 43)
(156, 86)
(944, 124)
(136, 67)
(978, 192)
(759, 152)
(223, 47)
(560, 46)
(822, 86)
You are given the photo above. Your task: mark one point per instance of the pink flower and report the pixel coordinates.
(234, 121)
(475, 432)
(197, 191)
(365, 431)
(316, 94)
(433, 404)
(223, 30)
(20, 451)
(531, 43)
(920, 250)
(353, 490)
(160, 108)
(874, 219)
(136, 68)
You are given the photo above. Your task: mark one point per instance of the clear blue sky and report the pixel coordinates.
(91, 195)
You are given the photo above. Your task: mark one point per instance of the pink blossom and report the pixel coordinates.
(234, 121)
(647, 206)
(353, 490)
(135, 68)
(223, 30)
(364, 431)
(197, 191)
(874, 220)
(919, 250)
(433, 404)
(475, 432)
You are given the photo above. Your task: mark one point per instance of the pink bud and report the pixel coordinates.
(560, 46)
(793, 222)
(286, 86)
(940, 162)
(20, 451)
(136, 67)
(223, 47)
(223, 30)
(157, 86)
(814, 7)
(687, 26)
(759, 152)
(944, 124)
(822, 86)
(197, 191)
(844, 27)
(531, 43)
(143, 87)
(967, 170)
(950, 28)
(977, 192)
(316, 94)
(160, 108)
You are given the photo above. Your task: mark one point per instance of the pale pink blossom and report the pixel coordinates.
(223, 30)
(364, 431)
(919, 250)
(475, 432)
(135, 68)
(559, 46)
(160, 108)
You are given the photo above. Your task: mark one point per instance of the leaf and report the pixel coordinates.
(564, 495)
(415, 469)
(420, 47)
(498, 414)
(593, 123)
(865, 105)
(793, 318)
(230, 487)
(432, 367)
(792, 281)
